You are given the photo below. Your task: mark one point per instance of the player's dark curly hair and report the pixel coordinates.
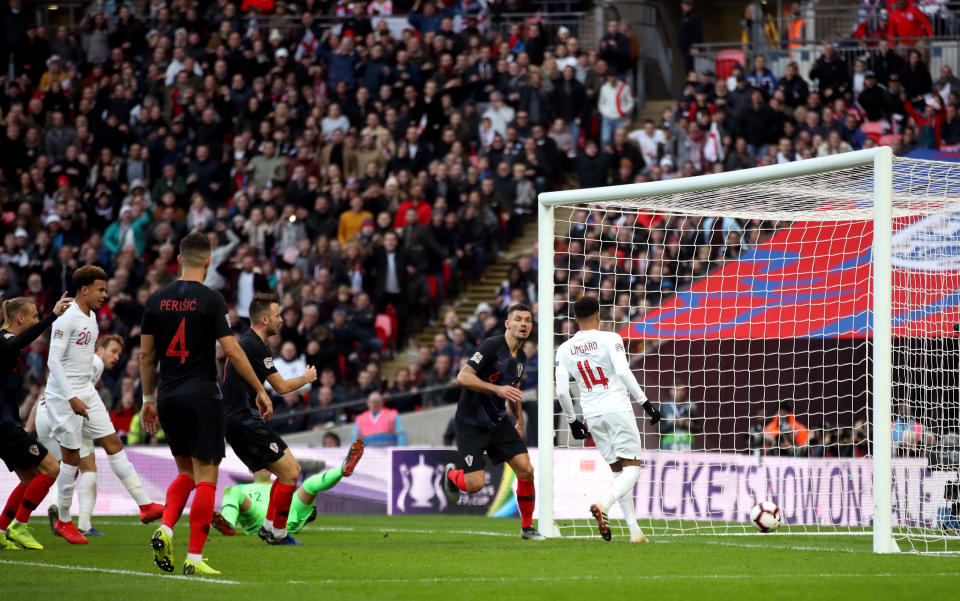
(586, 306)
(87, 275)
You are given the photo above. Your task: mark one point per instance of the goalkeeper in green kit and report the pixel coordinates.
(244, 507)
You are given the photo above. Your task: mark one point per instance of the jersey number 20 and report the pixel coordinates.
(589, 379)
(178, 344)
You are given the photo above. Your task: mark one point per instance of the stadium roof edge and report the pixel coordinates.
(858, 158)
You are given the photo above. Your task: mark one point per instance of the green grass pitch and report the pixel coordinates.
(443, 558)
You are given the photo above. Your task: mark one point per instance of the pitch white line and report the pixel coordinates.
(410, 530)
(650, 577)
(37, 564)
(784, 547)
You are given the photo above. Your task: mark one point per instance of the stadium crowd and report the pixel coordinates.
(366, 171)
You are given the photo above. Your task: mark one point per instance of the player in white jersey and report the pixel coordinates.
(107, 353)
(75, 409)
(598, 362)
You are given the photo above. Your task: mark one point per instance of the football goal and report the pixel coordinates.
(797, 326)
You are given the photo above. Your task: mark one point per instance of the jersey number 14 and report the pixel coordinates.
(589, 379)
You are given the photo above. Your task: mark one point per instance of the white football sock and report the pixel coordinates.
(621, 486)
(87, 497)
(195, 557)
(268, 524)
(167, 529)
(66, 482)
(626, 503)
(126, 473)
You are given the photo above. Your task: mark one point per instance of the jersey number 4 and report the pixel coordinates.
(178, 344)
(589, 379)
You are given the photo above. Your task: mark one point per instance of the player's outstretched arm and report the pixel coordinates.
(239, 360)
(622, 368)
(468, 378)
(282, 386)
(26, 337)
(148, 371)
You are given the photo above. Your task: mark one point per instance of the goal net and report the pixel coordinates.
(796, 325)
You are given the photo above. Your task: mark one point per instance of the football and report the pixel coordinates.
(765, 516)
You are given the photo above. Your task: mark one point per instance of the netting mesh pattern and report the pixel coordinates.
(747, 316)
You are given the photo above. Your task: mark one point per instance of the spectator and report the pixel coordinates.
(915, 76)
(441, 382)
(873, 99)
(127, 232)
(330, 439)
(830, 72)
(124, 411)
(379, 426)
(740, 158)
(352, 221)
(907, 23)
(242, 282)
(947, 83)
(459, 347)
(650, 140)
(757, 124)
(795, 89)
(289, 416)
(680, 420)
(784, 431)
(568, 101)
(615, 106)
(950, 128)
(690, 34)
(614, 48)
(834, 144)
(291, 365)
(930, 123)
(762, 78)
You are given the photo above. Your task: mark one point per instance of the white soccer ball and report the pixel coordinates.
(766, 516)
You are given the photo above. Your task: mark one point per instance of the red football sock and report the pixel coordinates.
(33, 495)
(280, 503)
(201, 514)
(13, 504)
(526, 497)
(459, 478)
(271, 507)
(177, 495)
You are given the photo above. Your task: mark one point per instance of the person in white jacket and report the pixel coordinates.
(615, 106)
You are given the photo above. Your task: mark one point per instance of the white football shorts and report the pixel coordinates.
(70, 430)
(616, 436)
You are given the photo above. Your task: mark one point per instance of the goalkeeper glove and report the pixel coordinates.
(578, 430)
(652, 411)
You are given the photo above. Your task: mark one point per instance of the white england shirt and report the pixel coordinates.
(598, 362)
(71, 356)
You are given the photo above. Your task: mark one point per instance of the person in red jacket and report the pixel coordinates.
(908, 22)
(928, 124)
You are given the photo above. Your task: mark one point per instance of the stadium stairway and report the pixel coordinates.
(483, 291)
(653, 109)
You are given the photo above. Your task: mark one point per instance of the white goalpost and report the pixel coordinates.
(796, 325)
